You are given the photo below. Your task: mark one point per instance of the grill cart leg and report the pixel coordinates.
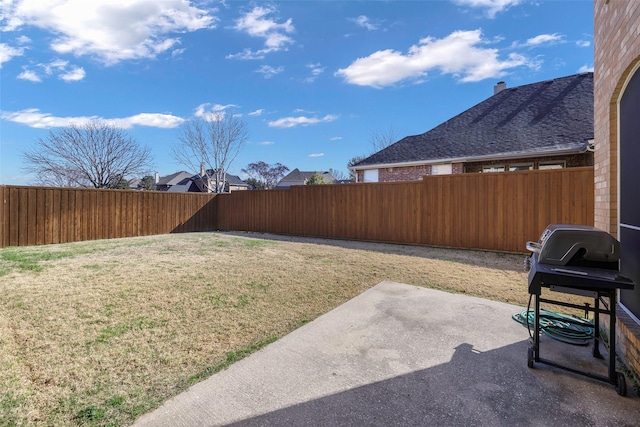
(596, 327)
(616, 378)
(533, 353)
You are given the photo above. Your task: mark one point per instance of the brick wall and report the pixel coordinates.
(616, 56)
(408, 173)
(415, 173)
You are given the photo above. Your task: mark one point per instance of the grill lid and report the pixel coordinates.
(565, 244)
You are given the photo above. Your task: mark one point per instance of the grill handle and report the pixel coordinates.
(534, 247)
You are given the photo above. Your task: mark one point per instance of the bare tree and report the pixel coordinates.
(267, 175)
(95, 154)
(339, 175)
(352, 162)
(210, 144)
(381, 139)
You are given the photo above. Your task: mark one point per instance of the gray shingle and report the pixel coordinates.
(553, 115)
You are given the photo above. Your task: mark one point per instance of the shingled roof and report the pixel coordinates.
(549, 117)
(298, 177)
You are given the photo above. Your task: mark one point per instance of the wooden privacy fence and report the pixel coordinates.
(44, 215)
(492, 211)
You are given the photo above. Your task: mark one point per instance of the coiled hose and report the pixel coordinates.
(568, 329)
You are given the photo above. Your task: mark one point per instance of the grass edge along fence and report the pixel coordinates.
(487, 211)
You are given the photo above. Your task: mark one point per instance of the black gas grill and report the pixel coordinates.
(578, 260)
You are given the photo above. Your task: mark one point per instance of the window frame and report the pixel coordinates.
(549, 165)
(530, 166)
(493, 168)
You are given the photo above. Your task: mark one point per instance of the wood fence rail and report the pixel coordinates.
(496, 211)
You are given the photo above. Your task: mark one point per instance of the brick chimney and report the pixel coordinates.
(499, 87)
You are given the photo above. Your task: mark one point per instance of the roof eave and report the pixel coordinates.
(469, 159)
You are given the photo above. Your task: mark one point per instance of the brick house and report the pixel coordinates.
(298, 177)
(617, 155)
(184, 182)
(542, 125)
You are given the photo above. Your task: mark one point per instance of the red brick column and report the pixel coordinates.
(616, 55)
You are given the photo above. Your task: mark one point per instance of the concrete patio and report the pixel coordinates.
(403, 355)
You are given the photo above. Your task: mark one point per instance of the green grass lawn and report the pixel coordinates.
(98, 333)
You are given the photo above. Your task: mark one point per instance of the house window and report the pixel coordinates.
(494, 168)
(560, 164)
(521, 167)
(443, 169)
(371, 175)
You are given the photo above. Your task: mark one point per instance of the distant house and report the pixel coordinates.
(184, 182)
(542, 125)
(235, 183)
(297, 177)
(165, 183)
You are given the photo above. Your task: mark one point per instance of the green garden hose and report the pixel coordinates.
(568, 329)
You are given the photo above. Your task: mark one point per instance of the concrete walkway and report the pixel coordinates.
(404, 355)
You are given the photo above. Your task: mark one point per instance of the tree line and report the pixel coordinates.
(98, 154)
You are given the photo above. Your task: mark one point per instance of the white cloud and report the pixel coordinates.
(316, 70)
(23, 40)
(29, 75)
(364, 22)
(585, 69)
(269, 71)
(7, 53)
(177, 52)
(55, 65)
(60, 67)
(583, 43)
(257, 24)
(110, 31)
(212, 112)
(32, 117)
(492, 6)
(266, 143)
(316, 155)
(544, 39)
(157, 120)
(335, 138)
(73, 75)
(248, 54)
(289, 122)
(257, 112)
(459, 54)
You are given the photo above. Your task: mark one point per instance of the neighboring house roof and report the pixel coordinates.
(298, 177)
(187, 185)
(173, 179)
(183, 182)
(236, 181)
(549, 117)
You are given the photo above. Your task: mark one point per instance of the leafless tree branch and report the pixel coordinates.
(214, 142)
(95, 155)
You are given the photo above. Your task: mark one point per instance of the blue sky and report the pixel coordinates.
(313, 80)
